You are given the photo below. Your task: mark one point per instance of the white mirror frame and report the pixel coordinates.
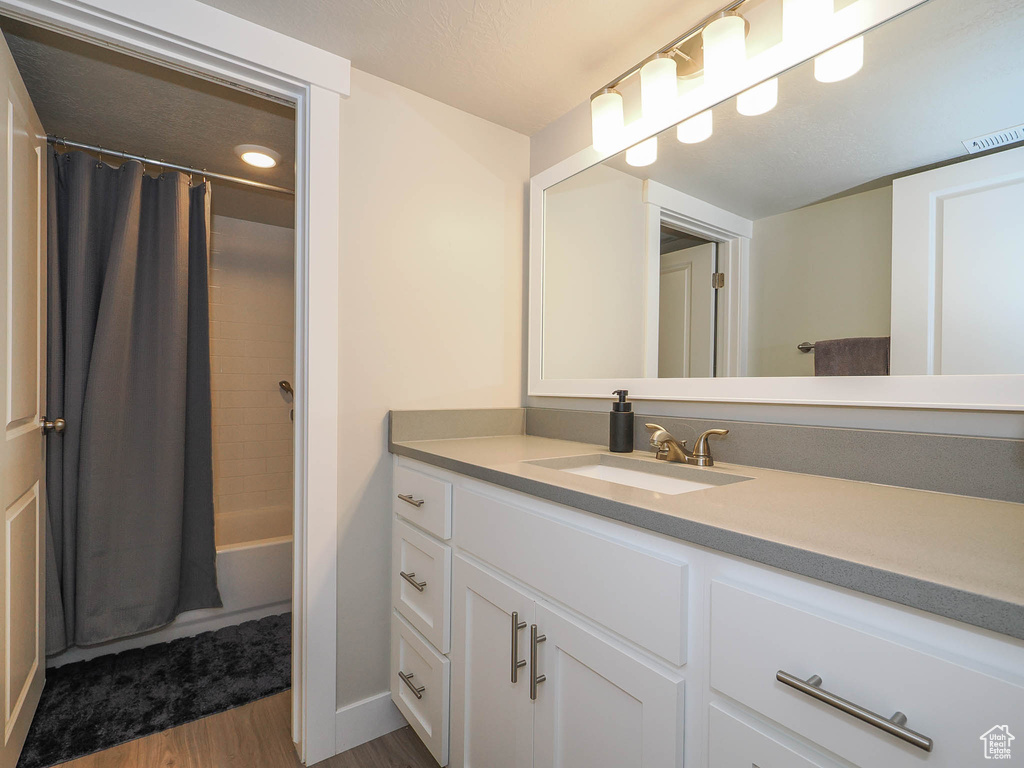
(946, 392)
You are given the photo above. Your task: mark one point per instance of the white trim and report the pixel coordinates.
(366, 720)
(917, 235)
(193, 37)
(652, 288)
(975, 393)
(732, 233)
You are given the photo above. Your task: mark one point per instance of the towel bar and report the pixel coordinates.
(805, 346)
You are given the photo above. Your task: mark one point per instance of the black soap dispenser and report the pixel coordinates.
(620, 429)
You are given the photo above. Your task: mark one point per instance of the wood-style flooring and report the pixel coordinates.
(257, 735)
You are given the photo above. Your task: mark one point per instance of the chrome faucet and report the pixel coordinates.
(670, 449)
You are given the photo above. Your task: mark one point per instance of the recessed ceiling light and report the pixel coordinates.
(254, 154)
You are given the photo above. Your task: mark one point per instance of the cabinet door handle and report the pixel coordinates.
(535, 679)
(411, 578)
(416, 689)
(893, 725)
(517, 663)
(408, 499)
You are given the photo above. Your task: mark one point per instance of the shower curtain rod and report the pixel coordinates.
(172, 166)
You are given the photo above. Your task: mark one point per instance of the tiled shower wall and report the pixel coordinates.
(252, 348)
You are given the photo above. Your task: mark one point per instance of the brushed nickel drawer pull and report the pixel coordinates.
(535, 679)
(517, 663)
(416, 689)
(408, 499)
(894, 725)
(411, 578)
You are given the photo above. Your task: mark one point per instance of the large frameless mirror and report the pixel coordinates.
(863, 227)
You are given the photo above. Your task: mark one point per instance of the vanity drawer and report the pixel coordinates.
(420, 679)
(734, 743)
(753, 638)
(421, 584)
(423, 500)
(635, 593)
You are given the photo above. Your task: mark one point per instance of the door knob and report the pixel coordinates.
(57, 425)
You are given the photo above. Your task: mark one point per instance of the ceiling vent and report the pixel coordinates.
(993, 140)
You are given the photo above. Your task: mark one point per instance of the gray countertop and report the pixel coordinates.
(955, 556)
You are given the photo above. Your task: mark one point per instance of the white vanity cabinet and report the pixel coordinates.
(421, 591)
(626, 621)
(578, 698)
(492, 715)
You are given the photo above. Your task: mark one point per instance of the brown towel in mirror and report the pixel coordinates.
(865, 356)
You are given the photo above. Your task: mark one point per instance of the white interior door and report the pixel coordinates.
(600, 706)
(686, 313)
(958, 268)
(22, 327)
(492, 717)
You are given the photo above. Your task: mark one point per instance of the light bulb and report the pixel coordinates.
(254, 154)
(644, 153)
(759, 99)
(696, 129)
(841, 62)
(659, 87)
(259, 159)
(725, 50)
(607, 120)
(802, 18)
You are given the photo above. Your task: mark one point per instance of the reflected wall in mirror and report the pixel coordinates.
(857, 228)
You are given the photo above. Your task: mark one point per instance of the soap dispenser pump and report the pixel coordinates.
(620, 429)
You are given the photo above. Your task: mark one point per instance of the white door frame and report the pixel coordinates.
(196, 38)
(732, 233)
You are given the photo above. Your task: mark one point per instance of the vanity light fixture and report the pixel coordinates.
(659, 86)
(801, 19)
(696, 129)
(759, 99)
(607, 119)
(725, 49)
(713, 55)
(841, 62)
(644, 153)
(255, 155)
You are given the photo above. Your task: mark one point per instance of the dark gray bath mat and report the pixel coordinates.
(92, 705)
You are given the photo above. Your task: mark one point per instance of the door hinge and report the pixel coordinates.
(718, 280)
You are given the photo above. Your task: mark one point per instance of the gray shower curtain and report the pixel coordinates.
(129, 482)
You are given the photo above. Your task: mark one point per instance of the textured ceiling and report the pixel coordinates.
(102, 97)
(518, 63)
(947, 71)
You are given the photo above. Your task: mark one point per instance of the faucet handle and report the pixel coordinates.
(701, 448)
(658, 433)
(658, 437)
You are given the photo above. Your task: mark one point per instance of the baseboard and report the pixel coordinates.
(365, 721)
(188, 624)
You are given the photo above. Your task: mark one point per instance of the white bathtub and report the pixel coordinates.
(254, 574)
(253, 527)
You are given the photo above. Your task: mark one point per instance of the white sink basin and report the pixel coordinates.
(658, 476)
(638, 479)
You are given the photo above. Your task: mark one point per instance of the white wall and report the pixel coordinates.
(430, 302)
(252, 348)
(820, 272)
(594, 262)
